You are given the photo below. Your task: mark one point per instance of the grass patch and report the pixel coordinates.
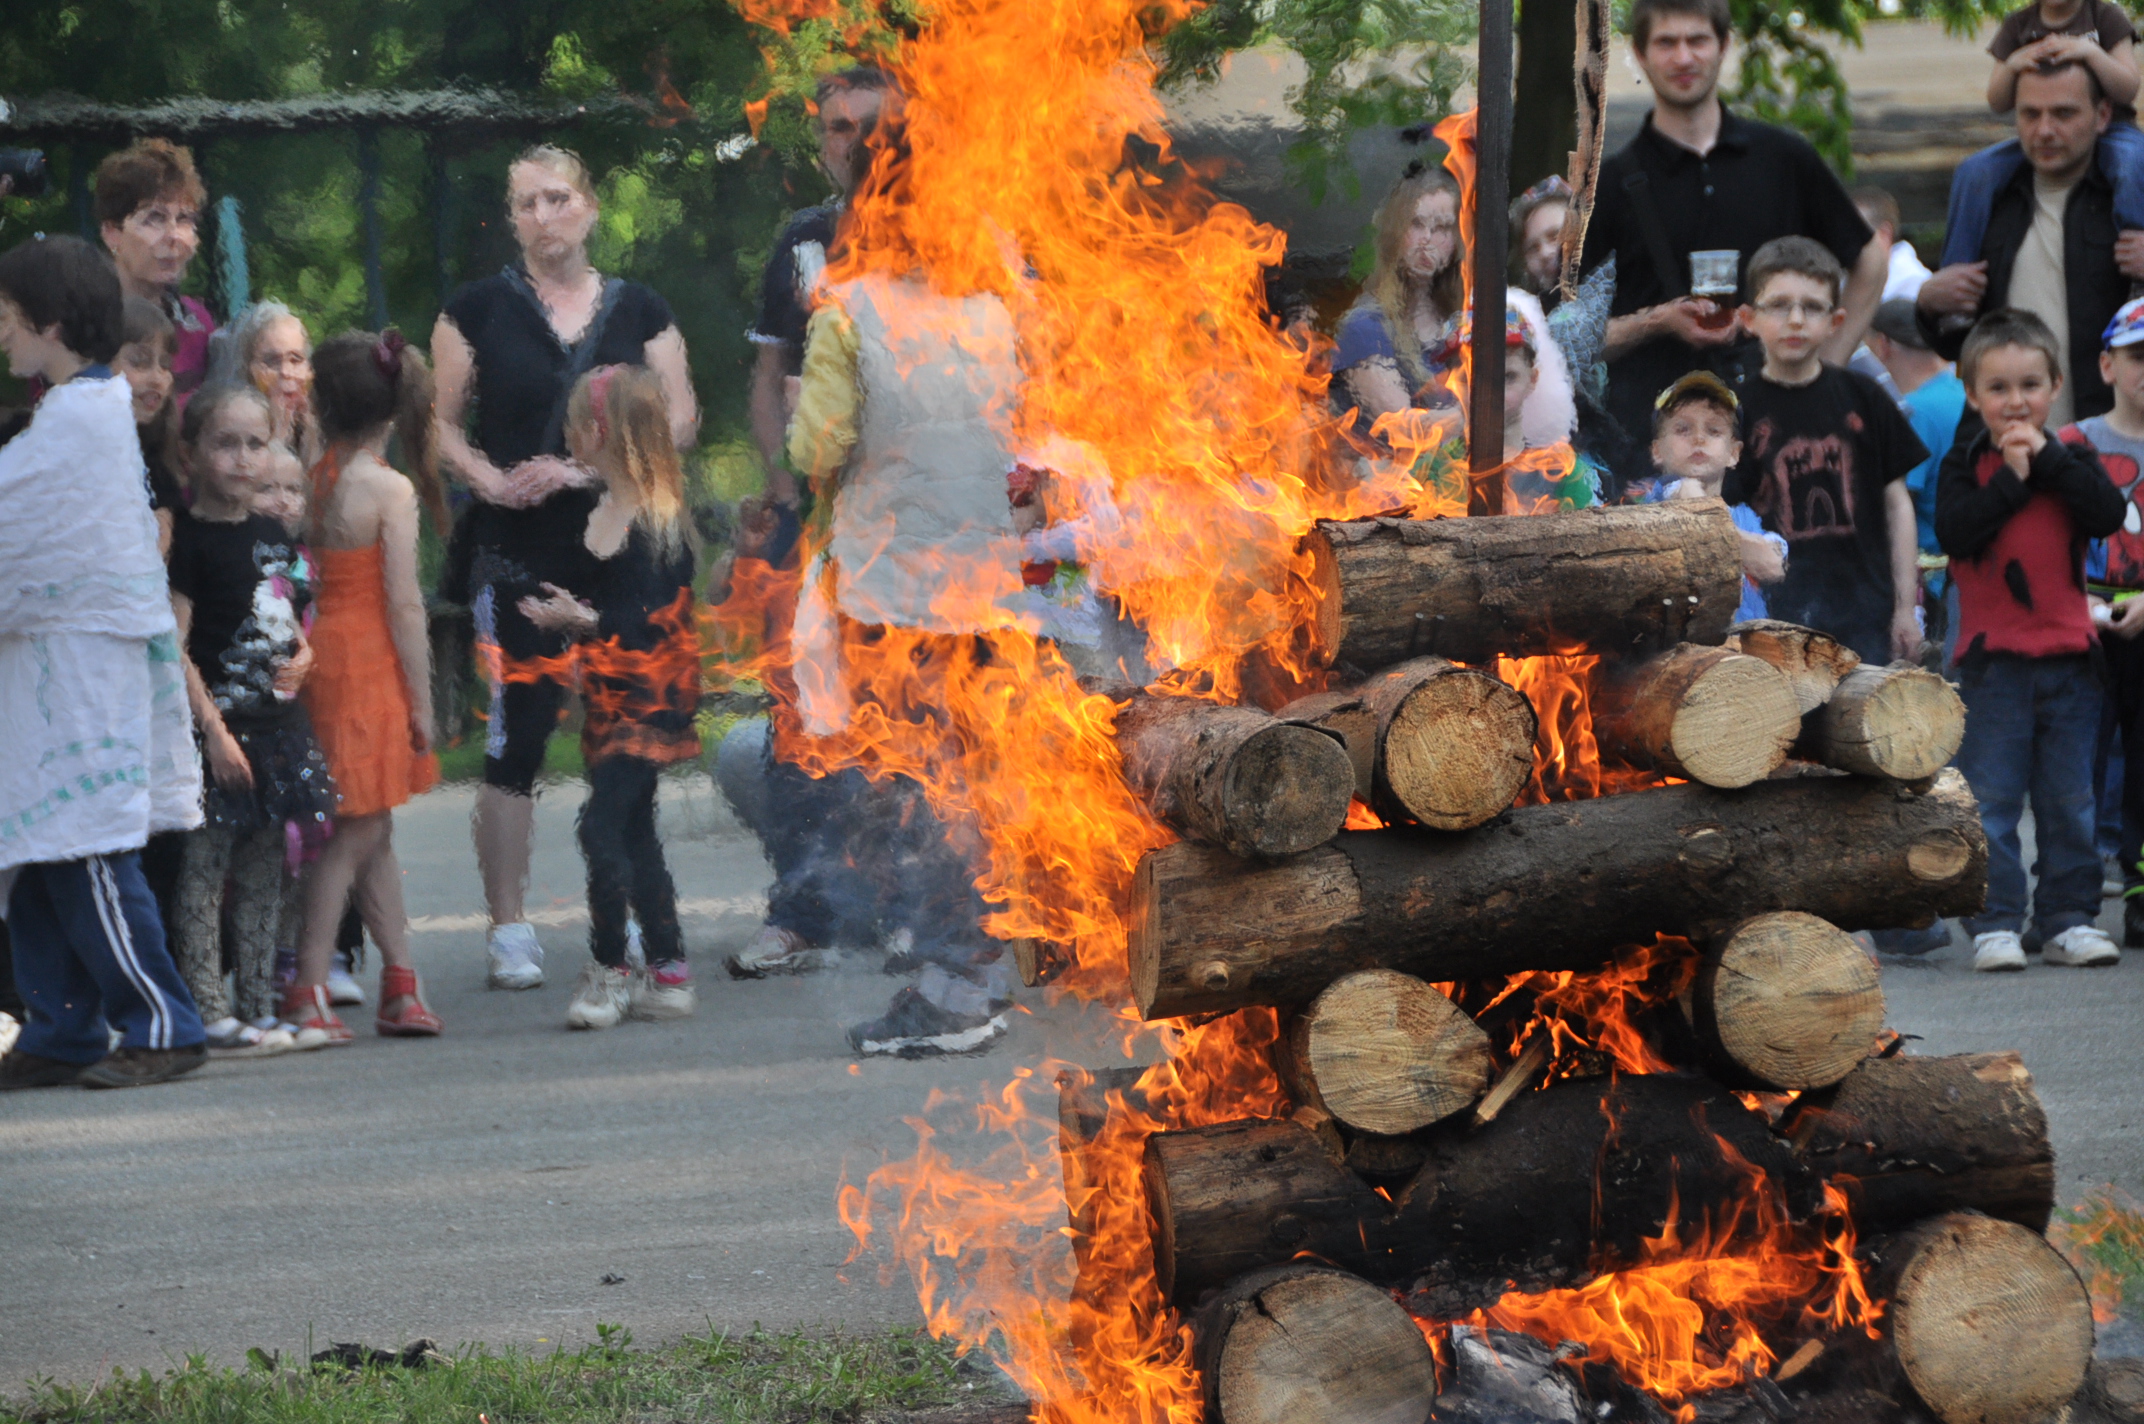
(755, 1378)
(464, 760)
(2104, 1238)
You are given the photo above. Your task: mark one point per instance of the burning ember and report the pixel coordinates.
(1191, 450)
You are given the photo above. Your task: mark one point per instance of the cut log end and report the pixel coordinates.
(1901, 721)
(1788, 1001)
(1288, 790)
(1990, 1324)
(1735, 723)
(1304, 1342)
(1458, 750)
(1386, 1053)
(1813, 662)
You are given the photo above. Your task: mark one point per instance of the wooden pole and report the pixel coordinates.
(1490, 247)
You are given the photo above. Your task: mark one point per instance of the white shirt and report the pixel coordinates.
(1907, 272)
(2037, 285)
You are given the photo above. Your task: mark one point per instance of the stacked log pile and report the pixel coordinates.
(1433, 1158)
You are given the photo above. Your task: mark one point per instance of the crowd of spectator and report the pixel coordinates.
(218, 720)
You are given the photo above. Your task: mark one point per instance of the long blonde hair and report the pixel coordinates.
(629, 412)
(1391, 288)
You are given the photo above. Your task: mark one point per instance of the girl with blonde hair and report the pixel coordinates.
(638, 656)
(1386, 356)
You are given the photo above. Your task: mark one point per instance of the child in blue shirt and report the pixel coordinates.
(1695, 443)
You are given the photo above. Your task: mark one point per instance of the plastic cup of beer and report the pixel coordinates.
(1715, 275)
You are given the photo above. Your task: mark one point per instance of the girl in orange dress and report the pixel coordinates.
(370, 693)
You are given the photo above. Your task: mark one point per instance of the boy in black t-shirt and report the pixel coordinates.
(1824, 460)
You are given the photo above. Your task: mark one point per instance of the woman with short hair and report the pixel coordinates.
(508, 351)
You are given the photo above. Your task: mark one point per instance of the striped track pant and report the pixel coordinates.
(90, 952)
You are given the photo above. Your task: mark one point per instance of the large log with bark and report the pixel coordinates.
(1235, 777)
(1305, 1342)
(1560, 886)
(1899, 721)
(1564, 1183)
(1447, 746)
(1813, 662)
(1386, 1053)
(1786, 1001)
(1908, 1137)
(1613, 581)
(1988, 1323)
(1701, 714)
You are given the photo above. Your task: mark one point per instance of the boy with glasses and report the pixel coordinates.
(1824, 460)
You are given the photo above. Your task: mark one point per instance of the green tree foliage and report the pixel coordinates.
(694, 227)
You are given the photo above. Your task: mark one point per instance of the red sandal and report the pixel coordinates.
(402, 1009)
(306, 1006)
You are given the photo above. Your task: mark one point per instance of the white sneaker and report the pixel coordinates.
(1998, 952)
(664, 992)
(2081, 947)
(601, 998)
(343, 988)
(773, 951)
(516, 957)
(10, 1030)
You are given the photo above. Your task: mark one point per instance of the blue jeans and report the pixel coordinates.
(1975, 182)
(2031, 725)
(89, 951)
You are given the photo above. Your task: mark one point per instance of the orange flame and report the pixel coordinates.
(1148, 355)
(1700, 1314)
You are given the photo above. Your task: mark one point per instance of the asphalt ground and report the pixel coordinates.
(479, 1188)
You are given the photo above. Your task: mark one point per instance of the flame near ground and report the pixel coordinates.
(1149, 358)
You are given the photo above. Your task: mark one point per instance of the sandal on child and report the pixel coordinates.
(306, 1006)
(402, 1009)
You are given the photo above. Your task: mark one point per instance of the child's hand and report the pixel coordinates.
(2019, 443)
(535, 480)
(1761, 560)
(227, 761)
(295, 669)
(560, 613)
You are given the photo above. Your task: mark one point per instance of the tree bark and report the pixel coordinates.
(1786, 1001)
(1615, 581)
(1446, 746)
(1702, 714)
(1544, 129)
(1989, 1324)
(1813, 662)
(1385, 1053)
(1900, 721)
(1560, 886)
(1306, 1342)
(1908, 1137)
(1565, 1183)
(1235, 777)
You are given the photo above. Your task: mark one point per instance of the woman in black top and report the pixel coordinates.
(508, 350)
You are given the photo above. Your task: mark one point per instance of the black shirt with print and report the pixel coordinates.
(247, 586)
(1815, 462)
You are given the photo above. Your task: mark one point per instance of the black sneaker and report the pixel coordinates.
(914, 1027)
(27, 1070)
(139, 1067)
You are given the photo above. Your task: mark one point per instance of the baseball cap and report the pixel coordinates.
(2127, 328)
(1895, 320)
(1700, 384)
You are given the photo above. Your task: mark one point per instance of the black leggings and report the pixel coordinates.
(523, 717)
(625, 863)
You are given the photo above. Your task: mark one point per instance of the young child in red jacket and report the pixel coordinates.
(2015, 508)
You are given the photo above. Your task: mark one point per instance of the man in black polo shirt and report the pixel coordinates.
(1700, 179)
